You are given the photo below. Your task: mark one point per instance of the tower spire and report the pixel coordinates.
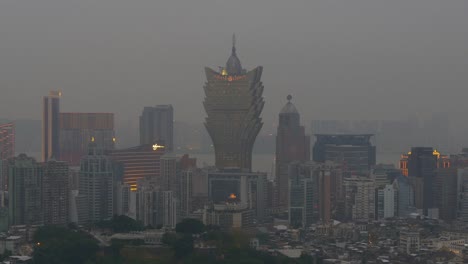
(234, 43)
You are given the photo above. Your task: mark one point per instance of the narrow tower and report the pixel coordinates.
(51, 126)
(233, 103)
(291, 145)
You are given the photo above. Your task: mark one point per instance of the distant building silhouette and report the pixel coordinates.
(354, 151)
(51, 125)
(77, 129)
(291, 145)
(7, 151)
(157, 125)
(25, 191)
(55, 193)
(95, 193)
(422, 166)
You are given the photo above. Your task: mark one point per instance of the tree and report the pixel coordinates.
(169, 239)
(183, 247)
(190, 226)
(121, 224)
(59, 245)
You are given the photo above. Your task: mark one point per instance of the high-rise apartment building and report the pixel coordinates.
(55, 193)
(422, 166)
(462, 195)
(156, 207)
(95, 194)
(169, 172)
(445, 193)
(157, 125)
(233, 103)
(7, 141)
(78, 129)
(141, 162)
(313, 193)
(355, 152)
(405, 196)
(51, 126)
(7, 151)
(303, 201)
(25, 191)
(359, 198)
(291, 145)
(387, 201)
(186, 191)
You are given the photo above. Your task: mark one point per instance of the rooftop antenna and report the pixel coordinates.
(234, 43)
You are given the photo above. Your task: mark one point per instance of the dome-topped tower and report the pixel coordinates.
(233, 64)
(292, 144)
(289, 108)
(233, 103)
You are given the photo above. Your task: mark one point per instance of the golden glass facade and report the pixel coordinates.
(233, 103)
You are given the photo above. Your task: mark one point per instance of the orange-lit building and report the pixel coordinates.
(404, 164)
(140, 162)
(78, 129)
(443, 161)
(50, 125)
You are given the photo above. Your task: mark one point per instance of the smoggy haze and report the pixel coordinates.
(340, 59)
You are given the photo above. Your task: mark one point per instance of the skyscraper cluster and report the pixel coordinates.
(85, 178)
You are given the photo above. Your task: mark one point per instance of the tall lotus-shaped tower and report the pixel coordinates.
(233, 103)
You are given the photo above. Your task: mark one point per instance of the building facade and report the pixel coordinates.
(140, 162)
(387, 201)
(229, 216)
(157, 125)
(291, 145)
(445, 193)
(462, 195)
(51, 126)
(78, 129)
(359, 199)
(422, 166)
(405, 196)
(303, 201)
(7, 151)
(96, 186)
(314, 196)
(233, 103)
(25, 191)
(250, 189)
(355, 152)
(55, 193)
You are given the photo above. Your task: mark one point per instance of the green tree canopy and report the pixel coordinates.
(59, 245)
(190, 226)
(121, 224)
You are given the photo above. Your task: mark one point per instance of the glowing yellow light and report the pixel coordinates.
(232, 196)
(156, 147)
(113, 139)
(38, 243)
(224, 72)
(436, 153)
(92, 139)
(409, 152)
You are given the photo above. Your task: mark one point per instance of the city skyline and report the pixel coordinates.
(308, 54)
(144, 154)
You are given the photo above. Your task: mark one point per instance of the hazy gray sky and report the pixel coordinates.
(361, 59)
